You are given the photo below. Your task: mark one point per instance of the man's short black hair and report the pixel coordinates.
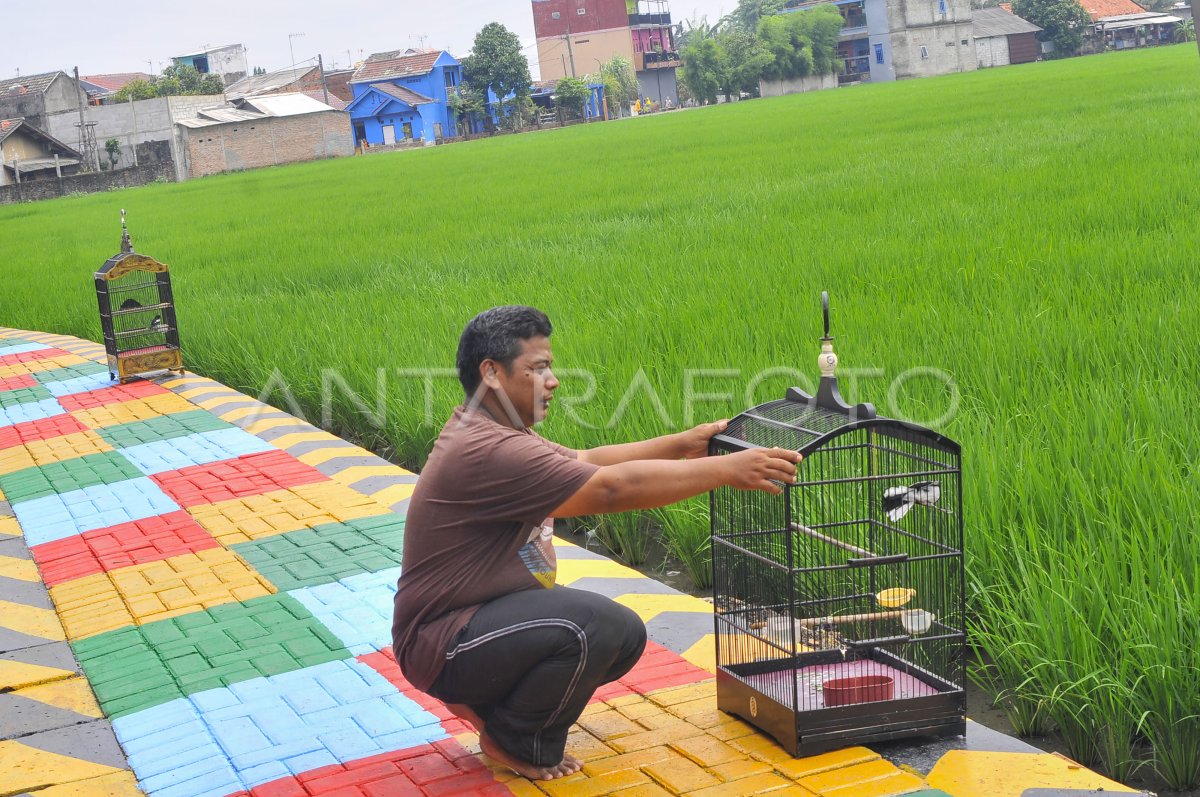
(496, 334)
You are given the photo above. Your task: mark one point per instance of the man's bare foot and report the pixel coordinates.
(466, 714)
(526, 770)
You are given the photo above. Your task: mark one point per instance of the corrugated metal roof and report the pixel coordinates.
(396, 63)
(335, 102)
(208, 51)
(401, 93)
(41, 164)
(285, 104)
(229, 115)
(986, 22)
(265, 84)
(1137, 20)
(29, 83)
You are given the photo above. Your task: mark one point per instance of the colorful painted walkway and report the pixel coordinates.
(195, 600)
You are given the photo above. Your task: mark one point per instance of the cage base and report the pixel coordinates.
(926, 707)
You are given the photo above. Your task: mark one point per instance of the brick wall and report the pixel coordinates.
(267, 142)
(90, 183)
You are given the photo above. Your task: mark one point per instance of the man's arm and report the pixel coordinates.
(646, 484)
(688, 444)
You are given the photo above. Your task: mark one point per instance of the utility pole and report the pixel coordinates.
(324, 85)
(570, 49)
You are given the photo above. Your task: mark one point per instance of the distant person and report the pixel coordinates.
(479, 622)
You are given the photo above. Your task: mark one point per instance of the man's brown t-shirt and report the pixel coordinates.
(476, 529)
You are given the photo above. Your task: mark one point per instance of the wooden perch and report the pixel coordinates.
(845, 546)
(848, 618)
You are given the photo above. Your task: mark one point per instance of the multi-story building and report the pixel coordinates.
(886, 40)
(574, 37)
(228, 61)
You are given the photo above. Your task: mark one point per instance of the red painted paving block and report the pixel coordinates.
(111, 395)
(150, 540)
(17, 382)
(395, 786)
(42, 429)
(30, 356)
(288, 787)
(443, 768)
(660, 668)
(252, 474)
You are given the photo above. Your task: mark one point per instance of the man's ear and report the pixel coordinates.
(488, 375)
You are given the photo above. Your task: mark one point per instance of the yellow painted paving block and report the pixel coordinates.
(19, 675)
(20, 569)
(280, 511)
(70, 446)
(703, 654)
(10, 527)
(966, 773)
(135, 410)
(27, 769)
(159, 590)
(571, 570)
(44, 364)
(826, 762)
(15, 459)
(395, 494)
(266, 424)
(72, 694)
(117, 784)
(648, 607)
(31, 620)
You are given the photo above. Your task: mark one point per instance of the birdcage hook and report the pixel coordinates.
(828, 396)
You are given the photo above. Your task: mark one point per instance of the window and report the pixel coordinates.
(581, 11)
(942, 7)
(451, 79)
(879, 53)
(924, 52)
(555, 15)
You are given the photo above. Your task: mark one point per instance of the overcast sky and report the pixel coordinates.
(129, 35)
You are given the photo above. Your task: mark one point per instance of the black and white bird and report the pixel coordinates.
(898, 500)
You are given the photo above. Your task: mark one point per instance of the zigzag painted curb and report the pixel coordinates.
(195, 593)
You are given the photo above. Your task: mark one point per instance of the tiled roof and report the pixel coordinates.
(115, 81)
(10, 126)
(30, 83)
(1110, 8)
(404, 95)
(397, 63)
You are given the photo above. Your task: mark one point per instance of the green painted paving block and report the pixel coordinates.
(6, 342)
(63, 477)
(23, 395)
(165, 427)
(135, 668)
(69, 372)
(327, 553)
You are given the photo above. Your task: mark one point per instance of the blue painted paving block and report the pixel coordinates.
(56, 517)
(196, 449)
(22, 348)
(80, 384)
(358, 609)
(256, 731)
(30, 411)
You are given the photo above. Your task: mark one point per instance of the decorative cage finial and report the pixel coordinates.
(826, 360)
(828, 397)
(126, 241)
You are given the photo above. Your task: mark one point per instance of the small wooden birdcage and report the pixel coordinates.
(839, 603)
(137, 313)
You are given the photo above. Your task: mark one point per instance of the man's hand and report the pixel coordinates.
(694, 442)
(760, 468)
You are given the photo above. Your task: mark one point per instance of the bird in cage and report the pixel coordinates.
(130, 304)
(156, 325)
(898, 500)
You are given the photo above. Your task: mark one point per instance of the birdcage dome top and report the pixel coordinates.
(805, 426)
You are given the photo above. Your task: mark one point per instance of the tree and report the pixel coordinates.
(801, 44)
(113, 147)
(571, 93)
(746, 59)
(1062, 22)
(464, 103)
(136, 90)
(259, 70)
(496, 63)
(704, 65)
(749, 13)
(1185, 31)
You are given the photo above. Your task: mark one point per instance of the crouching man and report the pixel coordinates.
(479, 622)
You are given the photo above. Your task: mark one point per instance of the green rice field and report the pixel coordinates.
(1029, 232)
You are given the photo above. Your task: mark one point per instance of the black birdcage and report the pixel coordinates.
(137, 313)
(839, 603)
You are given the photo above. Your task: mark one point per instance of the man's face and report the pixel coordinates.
(530, 385)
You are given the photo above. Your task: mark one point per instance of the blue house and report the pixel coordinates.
(402, 96)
